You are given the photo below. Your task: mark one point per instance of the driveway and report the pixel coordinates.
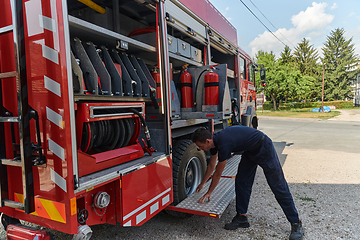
(352, 115)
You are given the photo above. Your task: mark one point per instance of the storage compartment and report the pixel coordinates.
(195, 54)
(148, 191)
(172, 44)
(183, 48)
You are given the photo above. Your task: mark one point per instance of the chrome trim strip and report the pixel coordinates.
(117, 171)
(9, 119)
(74, 155)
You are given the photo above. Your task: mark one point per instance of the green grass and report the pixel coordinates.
(299, 113)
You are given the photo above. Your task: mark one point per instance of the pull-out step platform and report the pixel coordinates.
(220, 198)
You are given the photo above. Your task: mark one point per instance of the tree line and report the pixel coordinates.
(297, 75)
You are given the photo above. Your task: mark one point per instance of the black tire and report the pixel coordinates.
(189, 166)
(254, 122)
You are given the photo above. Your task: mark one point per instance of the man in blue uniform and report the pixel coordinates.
(257, 149)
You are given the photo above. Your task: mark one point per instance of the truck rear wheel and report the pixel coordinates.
(189, 166)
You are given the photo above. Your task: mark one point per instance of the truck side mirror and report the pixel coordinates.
(262, 74)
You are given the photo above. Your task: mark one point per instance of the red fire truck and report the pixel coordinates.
(99, 99)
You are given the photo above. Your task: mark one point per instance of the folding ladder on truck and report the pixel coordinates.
(11, 74)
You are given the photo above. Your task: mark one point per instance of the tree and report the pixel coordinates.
(273, 83)
(286, 56)
(306, 57)
(284, 82)
(339, 59)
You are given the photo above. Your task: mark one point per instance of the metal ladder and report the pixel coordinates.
(24, 159)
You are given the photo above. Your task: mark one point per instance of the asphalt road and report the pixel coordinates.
(319, 158)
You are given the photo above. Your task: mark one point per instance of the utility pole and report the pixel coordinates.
(322, 93)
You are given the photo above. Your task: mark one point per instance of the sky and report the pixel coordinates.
(291, 21)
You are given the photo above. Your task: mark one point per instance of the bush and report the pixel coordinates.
(299, 105)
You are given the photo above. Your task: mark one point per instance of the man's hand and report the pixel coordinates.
(203, 198)
(201, 185)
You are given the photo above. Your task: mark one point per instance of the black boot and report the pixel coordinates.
(297, 231)
(239, 221)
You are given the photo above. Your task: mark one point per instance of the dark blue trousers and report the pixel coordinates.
(266, 157)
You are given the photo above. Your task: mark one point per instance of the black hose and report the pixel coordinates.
(197, 82)
(146, 130)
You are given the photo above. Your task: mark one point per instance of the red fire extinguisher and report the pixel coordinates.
(187, 98)
(156, 75)
(211, 88)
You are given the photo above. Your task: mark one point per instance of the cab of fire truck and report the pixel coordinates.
(98, 103)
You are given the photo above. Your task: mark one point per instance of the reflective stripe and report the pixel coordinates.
(56, 149)
(52, 86)
(140, 217)
(154, 208)
(58, 180)
(6, 29)
(47, 23)
(128, 224)
(50, 54)
(46, 208)
(165, 200)
(54, 117)
(147, 203)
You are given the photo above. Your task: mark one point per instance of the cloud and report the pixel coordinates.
(334, 6)
(309, 24)
(352, 14)
(313, 18)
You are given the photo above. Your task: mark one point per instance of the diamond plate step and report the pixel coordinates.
(220, 198)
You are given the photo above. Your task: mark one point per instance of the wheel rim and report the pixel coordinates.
(193, 175)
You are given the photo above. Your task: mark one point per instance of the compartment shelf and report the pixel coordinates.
(87, 98)
(86, 31)
(180, 60)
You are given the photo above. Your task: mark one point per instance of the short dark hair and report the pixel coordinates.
(200, 135)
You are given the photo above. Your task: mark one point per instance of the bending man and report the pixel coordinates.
(257, 149)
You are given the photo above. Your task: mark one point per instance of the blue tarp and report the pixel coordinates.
(326, 109)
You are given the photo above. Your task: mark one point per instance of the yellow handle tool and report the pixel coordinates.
(93, 5)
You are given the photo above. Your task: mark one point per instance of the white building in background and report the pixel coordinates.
(356, 84)
(357, 91)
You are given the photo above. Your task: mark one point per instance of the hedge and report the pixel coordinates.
(287, 106)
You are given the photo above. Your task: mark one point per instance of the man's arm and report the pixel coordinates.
(209, 170)
(215, 180)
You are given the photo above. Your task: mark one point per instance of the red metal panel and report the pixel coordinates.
(146, 192)
(207, 12)
(46, 61)
(100, 161)
(97, 215)
(15, 232)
